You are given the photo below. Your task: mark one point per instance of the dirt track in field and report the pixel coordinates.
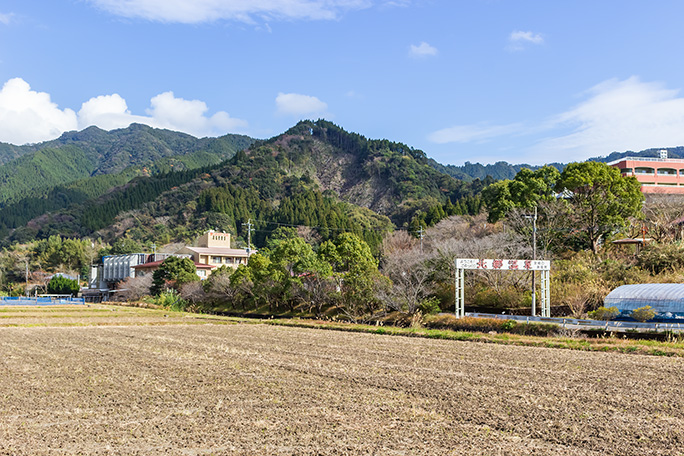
(257, 389)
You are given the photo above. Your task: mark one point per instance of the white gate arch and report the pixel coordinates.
(503, 265)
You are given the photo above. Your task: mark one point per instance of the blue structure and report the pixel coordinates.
(666, 299)
(38, 301)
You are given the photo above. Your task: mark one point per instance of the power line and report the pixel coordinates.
(249, 233)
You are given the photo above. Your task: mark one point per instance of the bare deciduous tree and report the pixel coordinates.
(134, 288)
(193, 293)
(410, 275)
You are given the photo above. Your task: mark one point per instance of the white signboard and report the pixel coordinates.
(503, 265)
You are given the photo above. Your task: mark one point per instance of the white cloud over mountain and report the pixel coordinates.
(299, 105)
(197, 11)
(27, 116)
(616, 115)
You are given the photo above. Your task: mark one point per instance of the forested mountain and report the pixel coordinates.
(80, 166)
(498, 171)
(672, 152)
(93, 152)
(504, 170)
(160, 185)
(315, 174)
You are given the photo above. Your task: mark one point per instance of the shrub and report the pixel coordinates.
(171, 300)
(448, 321)
(62, 285)
(643, 314)
(174, 272)
(604, 313)
(506, 298)
(661, 257)
(429, 306)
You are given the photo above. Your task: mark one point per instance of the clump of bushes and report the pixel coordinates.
(507, 298)
(659, 258)
(450, 322)
(62, 285)
(171, 300)
(643, 314)
(604, 313)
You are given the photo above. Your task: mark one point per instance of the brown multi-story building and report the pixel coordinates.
(213, 248)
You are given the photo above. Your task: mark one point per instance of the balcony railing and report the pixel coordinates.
(648, 159)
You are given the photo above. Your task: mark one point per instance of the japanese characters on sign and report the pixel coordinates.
(503, 265)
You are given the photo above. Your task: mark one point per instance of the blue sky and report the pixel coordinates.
(479, 80)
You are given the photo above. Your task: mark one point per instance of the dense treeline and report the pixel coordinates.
(99, 214)
(59, 175)
(60, 197)
(316, 175)
(32, 175)
(302, 206)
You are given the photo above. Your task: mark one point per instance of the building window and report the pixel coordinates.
(667, 172)
(644, 171)
(216, 259)
(626, 171)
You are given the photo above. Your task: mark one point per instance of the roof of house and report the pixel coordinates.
(155, 264)
(219, 251)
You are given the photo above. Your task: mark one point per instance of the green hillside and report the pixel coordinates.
(36, 172)
(316, 175)
(80, 166)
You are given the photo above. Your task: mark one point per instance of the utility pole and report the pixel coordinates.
(420, 235)
(249, 234)
(534, 257)
(26, 290)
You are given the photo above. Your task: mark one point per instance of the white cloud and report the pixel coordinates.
(298, 105)
(422, 50)
(615, 116)
(6, 18)
(166, 111)
(27, 116)
(618, 116)
(472, 133)
(196, 11)
(174, 113)
(517, 40)
(107, 112)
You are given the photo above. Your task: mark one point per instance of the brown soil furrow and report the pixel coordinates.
(259, 389)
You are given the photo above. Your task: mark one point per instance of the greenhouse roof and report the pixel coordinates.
(663, 297)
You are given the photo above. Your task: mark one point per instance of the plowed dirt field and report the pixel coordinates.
(254, 389)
